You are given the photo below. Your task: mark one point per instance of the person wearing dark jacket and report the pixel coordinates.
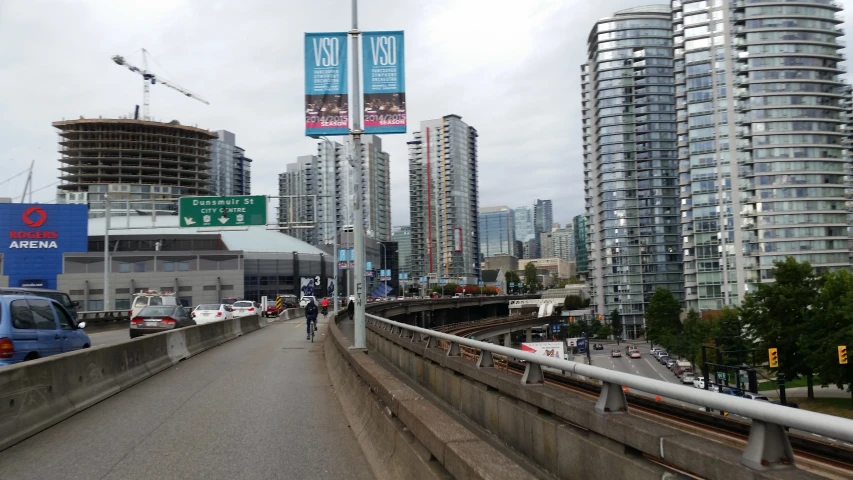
(310, 316)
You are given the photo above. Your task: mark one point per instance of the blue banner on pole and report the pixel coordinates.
(326, 89)
(384, 82)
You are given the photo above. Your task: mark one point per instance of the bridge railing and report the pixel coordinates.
(768, 445)
(104, 316)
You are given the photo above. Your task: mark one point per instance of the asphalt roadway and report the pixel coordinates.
(258, 407)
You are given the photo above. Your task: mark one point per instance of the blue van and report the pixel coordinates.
(60, 297)
(34, 327)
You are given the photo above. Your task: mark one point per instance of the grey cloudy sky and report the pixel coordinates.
(510, 69)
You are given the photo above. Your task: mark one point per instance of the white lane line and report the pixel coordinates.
(655, 370)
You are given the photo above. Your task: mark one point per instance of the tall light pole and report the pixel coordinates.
(107, 214)
(384, 266)
(358, 227)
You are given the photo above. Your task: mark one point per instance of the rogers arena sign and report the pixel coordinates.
(33, 217)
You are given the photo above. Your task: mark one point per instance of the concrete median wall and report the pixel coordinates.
(38, 394)
(402, 434)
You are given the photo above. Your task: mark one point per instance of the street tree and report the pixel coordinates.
(778, 315)
(831, 326)
(530, 274)
(663, 323)
(616, 322)
(573, 302)
(695, 333)
(604, 332)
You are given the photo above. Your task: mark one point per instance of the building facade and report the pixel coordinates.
(497, 231)
(580, 238)
(523, 217)
(543, 217)
(759, 102)
(403, 237)
(230, 169)
(142, 167)
(563, 241)
(443, 191)
(318, 192)
(630, 165)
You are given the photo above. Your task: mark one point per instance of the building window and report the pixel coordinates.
(96, 305)
(184, 266)
(139, 267)
(168, 266)
(122, 304)
(124, 268)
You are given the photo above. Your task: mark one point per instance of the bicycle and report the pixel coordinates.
(312, 325)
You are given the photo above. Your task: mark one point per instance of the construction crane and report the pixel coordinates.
(148, 79)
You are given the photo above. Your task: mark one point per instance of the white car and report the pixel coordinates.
(699, 382)
(211, 312)
(307, 299)
(144, 299)
(755, 396)
(688, 378)
(244, 308)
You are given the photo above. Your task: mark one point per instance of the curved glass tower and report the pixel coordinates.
(761, 167)
(630, 166)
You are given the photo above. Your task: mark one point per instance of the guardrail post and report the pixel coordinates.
(533, 374)
(612, 399)
(431, 342)
(403, 332)
(768, 448)
(453, 351)
(485, 360)
(416, 337)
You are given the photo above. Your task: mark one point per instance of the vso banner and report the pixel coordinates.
(384, 82)
(326, 99)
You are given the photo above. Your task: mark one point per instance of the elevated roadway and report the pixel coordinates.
(258, 407)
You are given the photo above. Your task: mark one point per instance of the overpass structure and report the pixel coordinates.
(518, 304)
(248, 398)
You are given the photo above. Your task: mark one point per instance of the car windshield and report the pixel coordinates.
(242, 304)
(157, 311)
(141, 302)
(208, 307)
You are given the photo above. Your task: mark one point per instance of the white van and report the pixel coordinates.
(144, 299)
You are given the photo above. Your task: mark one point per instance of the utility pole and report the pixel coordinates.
(107, 253)
(358, 227)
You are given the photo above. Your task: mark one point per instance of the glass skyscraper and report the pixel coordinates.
(630, 165)
(497, 231)
(761, 167)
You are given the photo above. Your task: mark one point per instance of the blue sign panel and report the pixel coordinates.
(36, 236)
(384, 82)
(326, 99)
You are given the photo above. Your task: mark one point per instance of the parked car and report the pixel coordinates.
(289, 301)
(306, 299)
(654, 350)
(34, 327)
(150, 298)
(688, 378)
(615, 354)
(159, 318)
(70, 305)
(699, 382)
(681, 367)
(244, 308)
(662, 359)
(634, 353)
(211, 312)
(660, 353)
(670, 362)
(755, 396)
(272, 310)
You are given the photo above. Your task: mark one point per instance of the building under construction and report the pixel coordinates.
(144, 166)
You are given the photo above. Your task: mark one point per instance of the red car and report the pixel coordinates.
(272, 311)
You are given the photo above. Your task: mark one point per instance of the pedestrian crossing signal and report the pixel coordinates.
(842, 354)
(774, 357)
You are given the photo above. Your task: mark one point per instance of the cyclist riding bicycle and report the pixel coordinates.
(324, 304)
(310, 317)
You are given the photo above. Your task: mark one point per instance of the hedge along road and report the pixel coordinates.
(260, 406)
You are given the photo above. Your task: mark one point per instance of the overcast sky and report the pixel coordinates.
(510, 69)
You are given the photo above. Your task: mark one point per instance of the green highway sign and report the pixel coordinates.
(233, 211)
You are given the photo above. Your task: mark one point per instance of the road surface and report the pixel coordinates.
(259, 407)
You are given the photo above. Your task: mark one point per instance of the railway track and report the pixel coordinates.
(817, 456)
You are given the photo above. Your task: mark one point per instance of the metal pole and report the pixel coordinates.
(107, 253)
(358, 228)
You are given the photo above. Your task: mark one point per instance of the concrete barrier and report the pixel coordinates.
(402, 434)
(38, 394)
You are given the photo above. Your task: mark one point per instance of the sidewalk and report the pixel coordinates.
(829, 392)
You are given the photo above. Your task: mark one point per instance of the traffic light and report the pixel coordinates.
(600, 317)
(774, 357)
(842, 355)
(571, 319)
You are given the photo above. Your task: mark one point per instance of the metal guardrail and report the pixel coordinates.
(768, 445)
(104, 316)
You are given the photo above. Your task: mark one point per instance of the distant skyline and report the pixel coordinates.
(246, 58)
